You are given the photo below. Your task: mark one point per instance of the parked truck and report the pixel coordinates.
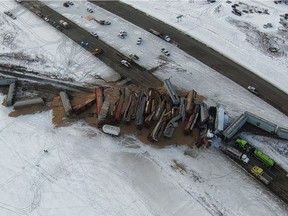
(260, 174)
(161, 35)
(64, 24)
(233, 152)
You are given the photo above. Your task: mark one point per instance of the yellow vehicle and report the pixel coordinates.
(256, 170)
(264, 177)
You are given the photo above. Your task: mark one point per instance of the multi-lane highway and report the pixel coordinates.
(210, 57)
(200, 51)
(110, 56)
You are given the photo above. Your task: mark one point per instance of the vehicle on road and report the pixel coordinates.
(233, 152)
(90, 10)
(121, 36)
(70, 3)
(103, 22)
(84, 44)
(237, 12)
(47, 18)
(133, 57)
(161, 35)
(8, 13)
(242, 143)
(19, 1)
(97, 51)
(60, 28)
(253, 90)
(125, 63)
(64, 24)
(259, 173)
(123, 33)
(65, 4)
(94, 34)
(139, 41)
(264, 158)
(165, 52)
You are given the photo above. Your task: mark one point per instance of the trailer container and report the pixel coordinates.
(161, 35)
(28, 103)
(119, 107)
(99, 99)
(111, 130)
(83, 106)
(10, 96)
(66, 103)
(259, 173)
(235, 153)
(219, 121)
(104, 111)
(282, 133)
(171, 91)
(203, 113)
(190, 97)
(233, 128)
(264, 158)
(261, 123)
(139, 121)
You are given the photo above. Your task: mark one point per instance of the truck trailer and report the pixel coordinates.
(111, 130)
(161, 35)
(235, 153)
(260, 174)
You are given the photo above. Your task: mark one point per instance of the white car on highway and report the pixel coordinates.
(253, 90)
(126, 63)
(94, 34)
(165, 52)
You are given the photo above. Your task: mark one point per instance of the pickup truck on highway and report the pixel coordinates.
(97, 52)
(253, 90)
(64, 24)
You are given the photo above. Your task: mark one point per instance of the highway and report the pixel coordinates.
(200, 51)
(110, 57)
(279, 184)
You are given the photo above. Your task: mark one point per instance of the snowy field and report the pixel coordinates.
(242, 38)
(30, 42)
(88, 173)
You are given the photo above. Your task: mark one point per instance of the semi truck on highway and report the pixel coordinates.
(161, 35)
(233, 152)
(242, 143)
(260, 174)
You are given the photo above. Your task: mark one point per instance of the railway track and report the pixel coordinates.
(45, 80)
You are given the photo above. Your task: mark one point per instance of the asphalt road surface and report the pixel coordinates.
(279, 184)
(111, 56)
(200, 51)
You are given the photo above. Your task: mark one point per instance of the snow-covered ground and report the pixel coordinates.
(88, 173)
(30, 42)
(242, 38)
